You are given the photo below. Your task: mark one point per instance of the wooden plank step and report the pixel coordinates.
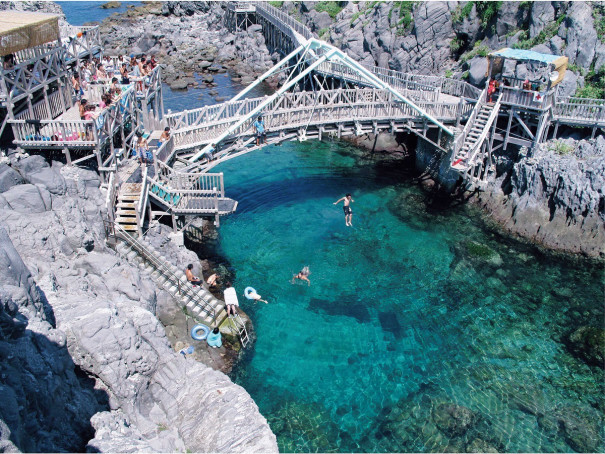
(120, 212)
(125, 205)
(129, 198)
(129, 227)
(122, 220)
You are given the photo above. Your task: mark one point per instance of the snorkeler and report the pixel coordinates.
(347, 209)
(303, 275)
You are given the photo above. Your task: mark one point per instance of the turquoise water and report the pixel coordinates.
(423, 329)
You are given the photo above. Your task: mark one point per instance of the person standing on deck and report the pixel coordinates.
(165, 137)
(141, 148)
(231, 301)
(259, 125)
(347, 209)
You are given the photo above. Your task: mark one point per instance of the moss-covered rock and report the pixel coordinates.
(588, 344)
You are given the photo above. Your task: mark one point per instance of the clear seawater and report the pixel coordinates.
(419, 309)
(79, 13)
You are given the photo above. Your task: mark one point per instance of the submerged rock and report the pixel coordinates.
(588, 344)
(453, 419)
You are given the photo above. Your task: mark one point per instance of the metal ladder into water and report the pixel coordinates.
(238, 328)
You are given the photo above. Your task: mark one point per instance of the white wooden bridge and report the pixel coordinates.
(325, 93)
(334, 95)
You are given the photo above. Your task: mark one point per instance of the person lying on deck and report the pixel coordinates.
(230, 297)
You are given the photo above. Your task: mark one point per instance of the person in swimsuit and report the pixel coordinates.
(165, 137)
(347, 209)
(303, 275)
(195, 281)
(256, 297)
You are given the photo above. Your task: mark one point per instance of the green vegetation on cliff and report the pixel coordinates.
(549, 31)
(594, 85)
(332, 8)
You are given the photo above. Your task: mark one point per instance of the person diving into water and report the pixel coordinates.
(347, 209)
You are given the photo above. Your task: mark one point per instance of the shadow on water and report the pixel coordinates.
(346, 305)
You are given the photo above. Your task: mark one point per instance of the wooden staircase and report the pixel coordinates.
(126, 208)
(196, 300)
(474, 138)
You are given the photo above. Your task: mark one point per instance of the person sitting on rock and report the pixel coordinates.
(195, 281)
(214, 338)
(231, 301)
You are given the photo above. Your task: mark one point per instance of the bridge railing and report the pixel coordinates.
(185, 192)
(399, 81)
(275, 15)
(582, 110)
(72, 133)
(299, 110)
(80, 41)
(527, 98)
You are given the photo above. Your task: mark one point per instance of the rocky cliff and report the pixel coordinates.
(452, 38)
(85, 362)
(555, 197)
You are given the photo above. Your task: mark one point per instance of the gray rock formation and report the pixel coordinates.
(376, 33)
(114, 379)
(187, 37)
(557, 197)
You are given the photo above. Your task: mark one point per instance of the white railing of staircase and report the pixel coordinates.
(112, 189)
(477, 145)
(459, 141)
(183, 287)
(142, 203)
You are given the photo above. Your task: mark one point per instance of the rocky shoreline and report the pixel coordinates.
(78, 323)
(554, 198)
(188, 38)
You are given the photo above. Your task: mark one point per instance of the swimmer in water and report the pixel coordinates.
(347, 209)
(256, 297)
(303, 275)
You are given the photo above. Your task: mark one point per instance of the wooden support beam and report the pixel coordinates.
(67, 155)
(523, 125)
(510, 121)
(79, 160)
